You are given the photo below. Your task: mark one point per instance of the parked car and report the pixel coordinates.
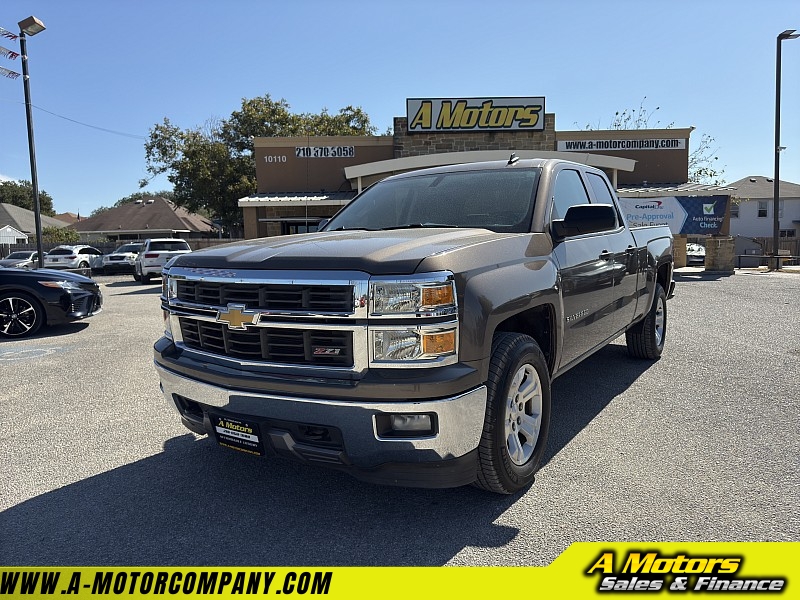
(74, 257)
(22, 259)
(32, 298)
(121, 259)
(154, 254)
(695, 254)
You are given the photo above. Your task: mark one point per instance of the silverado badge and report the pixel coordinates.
(236, 316)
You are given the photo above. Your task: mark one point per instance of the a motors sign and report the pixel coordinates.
(475, 114)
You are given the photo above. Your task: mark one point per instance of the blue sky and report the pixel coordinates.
(124, 66)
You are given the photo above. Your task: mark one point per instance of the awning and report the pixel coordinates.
(297, 199)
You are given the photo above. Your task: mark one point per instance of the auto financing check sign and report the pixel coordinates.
(684, 214)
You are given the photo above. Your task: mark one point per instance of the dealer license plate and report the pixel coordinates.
(237, 434)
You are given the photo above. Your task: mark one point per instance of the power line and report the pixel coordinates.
(112, 131)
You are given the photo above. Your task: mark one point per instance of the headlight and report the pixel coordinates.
(426, 295)
(428, 345)
(64, 285)
(169, 287)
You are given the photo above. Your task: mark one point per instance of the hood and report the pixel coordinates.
(396, 252)
(56, 275)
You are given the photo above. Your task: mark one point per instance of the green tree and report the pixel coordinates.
(60, 235)
(20, 193)
(212, 166)
(703, 160)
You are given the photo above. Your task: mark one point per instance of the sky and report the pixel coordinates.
(104, 72)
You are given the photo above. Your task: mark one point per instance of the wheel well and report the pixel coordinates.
(536, 322)
(662, 277)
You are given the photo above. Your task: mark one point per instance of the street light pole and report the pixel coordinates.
(789, 34)
(31, 26)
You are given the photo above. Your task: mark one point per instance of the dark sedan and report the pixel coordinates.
(30, 299)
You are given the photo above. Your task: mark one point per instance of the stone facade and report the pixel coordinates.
(419, 144)
(720, 254)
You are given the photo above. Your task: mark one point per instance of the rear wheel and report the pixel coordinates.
(517, 415)
(20, 315)
(646, 338)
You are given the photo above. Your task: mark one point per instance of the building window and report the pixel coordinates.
(762, 208)
(293, 228)
(788, 233)
(734, 211)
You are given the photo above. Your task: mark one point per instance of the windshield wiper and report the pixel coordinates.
(343, 228)
(419, 226)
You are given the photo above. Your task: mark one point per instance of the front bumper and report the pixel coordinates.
(447, 458)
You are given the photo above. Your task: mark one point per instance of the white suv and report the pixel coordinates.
(154, 254)
(74, 257)
(122, 258)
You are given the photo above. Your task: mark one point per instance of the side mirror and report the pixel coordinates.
(585, 218)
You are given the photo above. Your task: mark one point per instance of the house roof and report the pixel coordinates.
(149, 216)
(67, 217)
(758, 186)
(24, 220)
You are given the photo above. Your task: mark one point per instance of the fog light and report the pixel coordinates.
(410, 422)
(405, 425)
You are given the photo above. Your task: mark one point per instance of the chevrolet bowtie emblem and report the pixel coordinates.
(236, 316)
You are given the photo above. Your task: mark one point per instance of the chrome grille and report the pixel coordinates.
(271, 344)
(269, 297)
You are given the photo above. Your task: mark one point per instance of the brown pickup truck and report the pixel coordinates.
(413, 340)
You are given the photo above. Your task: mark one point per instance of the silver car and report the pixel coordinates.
(74, 257)
(22, 259)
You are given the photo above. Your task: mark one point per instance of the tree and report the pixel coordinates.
(212, 166)
(60, 235)
(20, 193)
(702, 160)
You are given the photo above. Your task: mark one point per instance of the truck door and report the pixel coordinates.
(587, 275)
(623, 255)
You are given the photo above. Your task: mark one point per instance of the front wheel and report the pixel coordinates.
(517, 415)
(646, 338)
(20, 315)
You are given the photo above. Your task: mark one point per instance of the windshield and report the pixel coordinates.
(61, 251)
(169, 246)
(128, 248)
(19, 255)
(497, 199)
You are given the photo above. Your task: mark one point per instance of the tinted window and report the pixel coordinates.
(169, 246)
(60, 251)
(601, 192)
(568, 191)
(15, 255)
(497, 199)
(128, 248)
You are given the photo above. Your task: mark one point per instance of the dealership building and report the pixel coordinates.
(302, 180)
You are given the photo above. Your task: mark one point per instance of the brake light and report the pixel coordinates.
(71, 257)
(151, 255)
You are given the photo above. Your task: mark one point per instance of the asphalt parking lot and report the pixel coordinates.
(699, 446)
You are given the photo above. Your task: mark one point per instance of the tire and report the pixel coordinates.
(509, 455)
(144, 278)
(136, 276)
(646, 338)
(20, 315)
(83, 265)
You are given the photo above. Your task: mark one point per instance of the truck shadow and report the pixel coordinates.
(576, 402)
(197, 504)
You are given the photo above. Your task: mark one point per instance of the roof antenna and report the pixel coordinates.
(513, 159)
